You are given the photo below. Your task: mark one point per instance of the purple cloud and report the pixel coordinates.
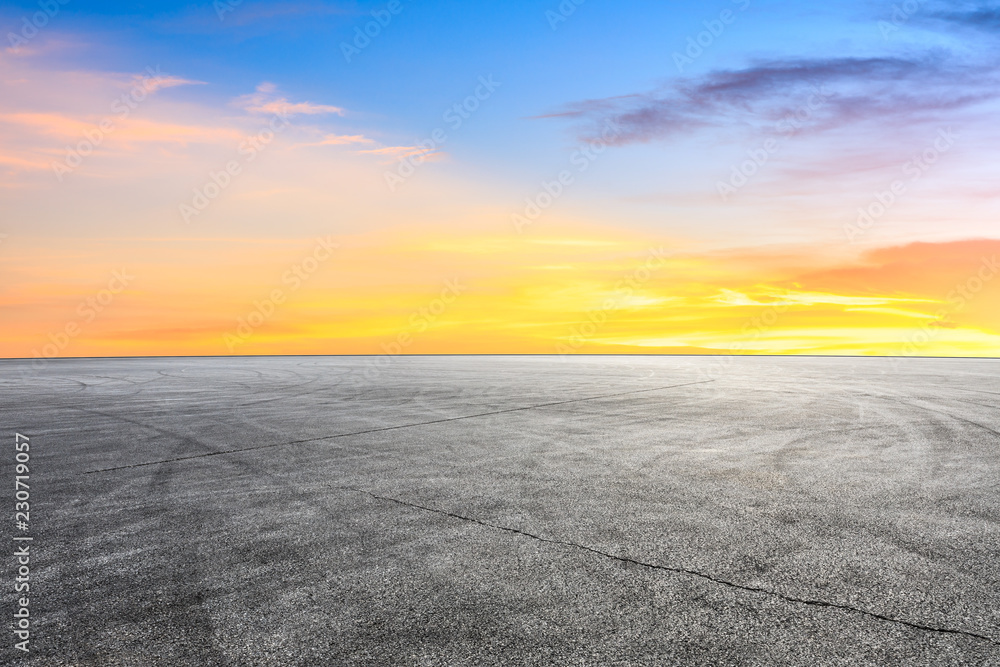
(835, 92)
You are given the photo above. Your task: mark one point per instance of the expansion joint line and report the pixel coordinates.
(676, 570)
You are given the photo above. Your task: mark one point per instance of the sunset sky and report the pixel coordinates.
(735, 176)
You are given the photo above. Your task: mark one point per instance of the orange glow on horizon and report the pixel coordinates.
(379, 294)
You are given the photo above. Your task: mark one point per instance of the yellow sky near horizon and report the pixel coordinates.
(432, 294)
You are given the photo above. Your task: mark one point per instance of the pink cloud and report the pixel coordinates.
(338, 140)
(23, 162)
(264, 101)
(151, 84)
(403, 152)
(125, 130)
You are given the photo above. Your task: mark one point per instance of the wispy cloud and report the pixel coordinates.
(982, 17)
(36, 126)
(853, 90)
(152, 84)
(390, 154)
(264, 100)
(24, 162)
(338, 140)
(394, 153)
(129, 130)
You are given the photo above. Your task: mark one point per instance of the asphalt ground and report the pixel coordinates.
(506, 511)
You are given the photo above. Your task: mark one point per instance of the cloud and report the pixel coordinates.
(916, 268)
(24, 162)
(151, 84)
(264, 101)
(53, 124)
(48, 115)
(986, 17)
(127, 130)
(338, 140)
(396, 153)
(792, 297)
(838, 92)
(43, 46)
(390, 153)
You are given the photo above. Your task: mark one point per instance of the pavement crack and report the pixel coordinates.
(391, 428)
(679, 570)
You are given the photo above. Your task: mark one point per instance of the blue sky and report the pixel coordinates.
(431, 55)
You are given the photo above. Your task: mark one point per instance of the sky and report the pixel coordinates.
(579, 177)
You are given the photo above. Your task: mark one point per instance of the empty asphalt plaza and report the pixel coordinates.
(507, 511)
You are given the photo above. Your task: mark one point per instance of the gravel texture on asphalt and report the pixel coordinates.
(508, 511)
